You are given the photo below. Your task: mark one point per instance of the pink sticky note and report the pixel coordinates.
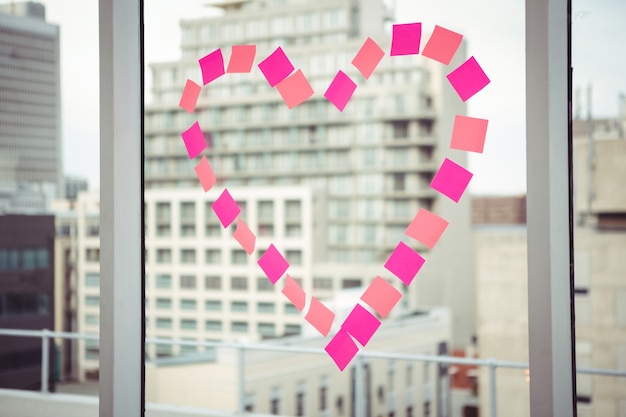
(468, 134)
(194, 140)
(406, 38)
(244, 236)
(381, 296)
(190, 96)
(241, 58)
(341, 349)
(426, 227)
(294, 293)
(442, 45)
(368, 58)
(404, 263)
(276, 67)
(295, 89)
(468, 79)
(451, 180)
(205, 174)
(273, 264)
(225, 208)
(340, 90)
(320, 316)
(212, 66)
(361, 324)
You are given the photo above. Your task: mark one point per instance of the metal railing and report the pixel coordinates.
(241, 348)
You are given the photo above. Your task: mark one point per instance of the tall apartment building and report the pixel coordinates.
(30, 109)
(368, 168)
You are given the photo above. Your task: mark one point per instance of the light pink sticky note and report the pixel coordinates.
(295, 89)
(381, 296)
(341, 349)
(404, 263)
(361, 324)
(468, 79)
(468, 134)
(294, 293)
(340, 90)
(276, 67)
(241, 58)
(368, 57)
(225, 208)
(273, 263)
(188, 100)
(406, 38)
(194, 140)
(212, 66)
(426, 227)
(205, 174)
(442, 45)
(320, 316)
(451, 180)
(244, 236)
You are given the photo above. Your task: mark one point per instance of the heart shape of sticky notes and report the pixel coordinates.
(451, 180)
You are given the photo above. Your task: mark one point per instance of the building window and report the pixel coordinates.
(265, 210)
(400, 130)
(188, 256)
(163, 323)
(92, 279)
(294, 257)
(351, 283)
(399, 181)
(300, 404)
(212, 283)
(266, 329)
(163, 350)
(264, 285)
(265, 307)
(293, 230)
(188, 349)
(92, 300)
(291, 309)
(164, 256)
(163, 281)
(213, 325)
(293, 329)
(322, 284)
(239, 257)
(323, 394)
(239, 283)
(239, 327)
(164, 303)
(92, 319)
(188, 324)
(293, 210)
(213, 305)
(188, 304)
(275, 401)
(240, 306)
(92, 349)
(212, 256)
(92, 255)
(188, 282)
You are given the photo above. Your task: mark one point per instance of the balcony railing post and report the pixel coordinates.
(241, 368)
(45, 359)
(493, 406)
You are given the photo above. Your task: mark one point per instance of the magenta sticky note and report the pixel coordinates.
(341, 349)
(381, 296)
(244, 236)
(426, 227)
(451, 180)
(361, 324)
(468, 134)
(194, 140)
(241, 58)
(468, 79)
(205, 174)
(442, 45)
(294, 293)
(404, 263)
(340, 90)
(405, 39)
(225, 208)
(276, 67)
(295, 89)
(368, 58)
(320, 316)
(273, 263)
(212, 66)
(190, 95)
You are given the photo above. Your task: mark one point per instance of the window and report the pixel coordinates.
(275, 401)
(351, 283)
(239, 283)
(300, 402)
(399, 181)
(188, 282)
(240, 306)
(212, 256)
(163, 323)
(188, 256)
(239, 257)
(265, 307)
(92, 255)
(92, 349)
(213, 325)
(92, 279)
(164, 303)
(92, 300)
(322, 283)
(264, 285)
(213, 305)
(239, 327)
(163, 281)
(265, 210)
(92, 319)
(188, 324)
(291, 309)
(294, 257)
(188, 304)
(323, 394)
(163, 350)
(266, 329)
(293, 209)
(212, 283)
(164, 256)
(400, 130)
(293, 329)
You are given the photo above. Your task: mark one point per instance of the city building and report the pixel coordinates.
(26, 297)
(31, 174)
(369, 167)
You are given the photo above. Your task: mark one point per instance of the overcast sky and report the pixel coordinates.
(494, 30)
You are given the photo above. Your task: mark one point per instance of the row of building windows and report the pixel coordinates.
(13, 305)
(263, 329)
(24, 259)
(238, 283)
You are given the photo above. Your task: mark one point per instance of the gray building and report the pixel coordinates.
(30, 123)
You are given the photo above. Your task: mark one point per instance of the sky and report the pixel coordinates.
(494, 30)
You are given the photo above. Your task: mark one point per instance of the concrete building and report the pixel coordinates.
(31, 172)
(369, 167)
